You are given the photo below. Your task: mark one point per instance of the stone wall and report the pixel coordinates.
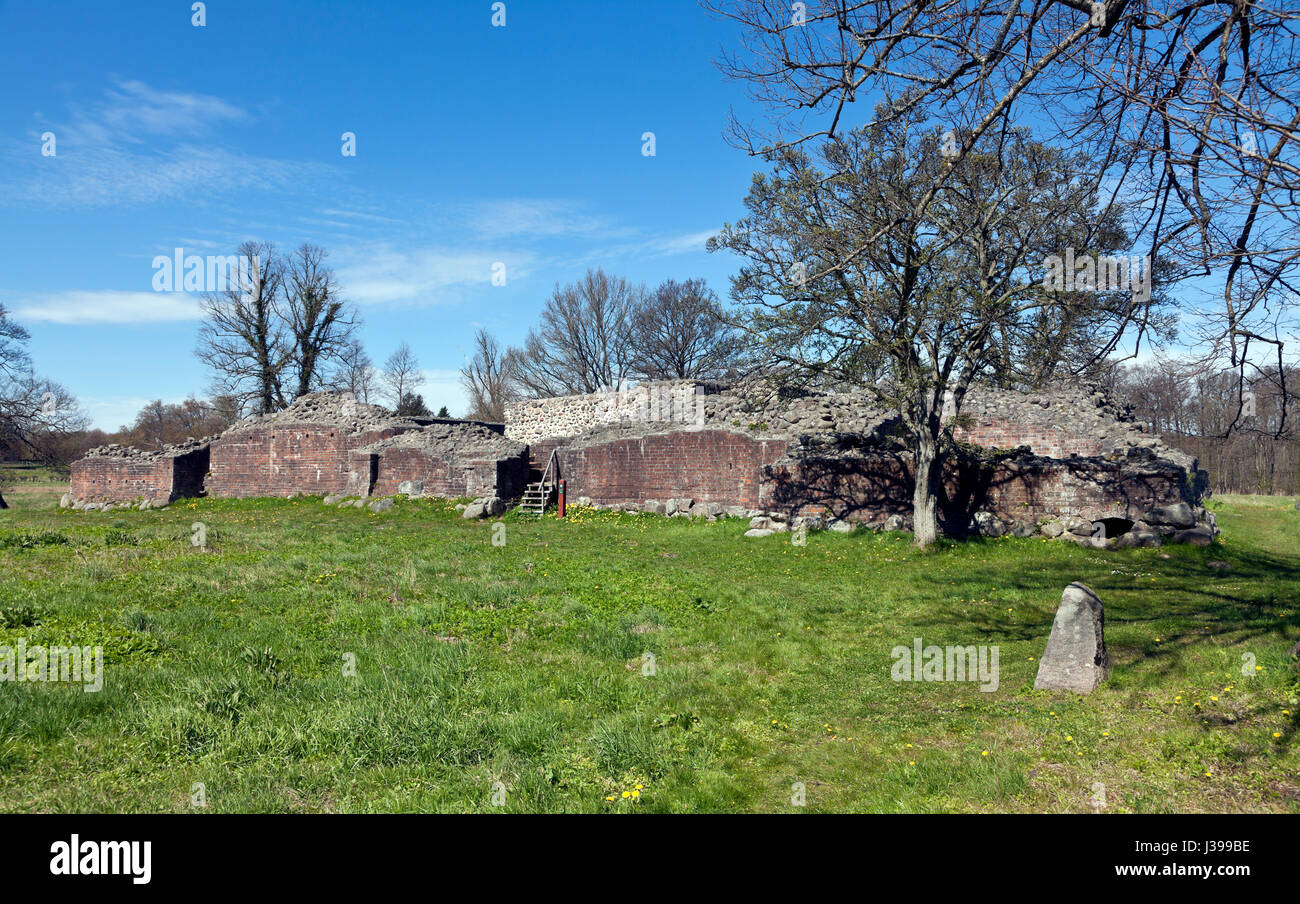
(675, 402)
(121, 474)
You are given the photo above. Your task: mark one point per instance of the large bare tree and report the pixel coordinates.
(584, 342)
(242, 339)
(681, 332)
(273, 336)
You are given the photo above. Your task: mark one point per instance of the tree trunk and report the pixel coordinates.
(3, 504)
(928, 473)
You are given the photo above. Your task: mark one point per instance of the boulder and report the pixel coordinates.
(1137, 538)
(986, 524)
(381, 505)
(473, 510)
(1051, 528)
(894, 522)
(1080, 527)
(360, 503)
(1179, 515)
(413, 488)
(1023, 529)
(674, 506)
(759, 532)
(736, 511)
(493, 506)
(66, 501)
(653, 507)
(331, 500)
(840, 526)
(1075, 659)
(1196, 536)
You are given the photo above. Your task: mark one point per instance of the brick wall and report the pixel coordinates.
(127, 478)
(312, 459)
(704, 465)
(505, 477)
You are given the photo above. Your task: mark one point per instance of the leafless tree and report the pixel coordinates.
(584, 342)
(320, 325)
(35, 413)
(401, 375)
(488, 379)
(681, 332)
(243, 340)
(1189, 110)
(355, 372)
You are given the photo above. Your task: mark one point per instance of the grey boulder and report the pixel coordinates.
(1075, 659)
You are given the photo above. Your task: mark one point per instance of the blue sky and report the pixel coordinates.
(475, 144)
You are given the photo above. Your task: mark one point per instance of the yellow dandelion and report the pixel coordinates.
(985, 753)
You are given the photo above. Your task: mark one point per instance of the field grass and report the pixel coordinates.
(524, 664)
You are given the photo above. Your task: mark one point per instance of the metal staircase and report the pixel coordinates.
(538, 495)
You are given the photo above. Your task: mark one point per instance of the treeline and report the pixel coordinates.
(596, 333)
(1241, 430)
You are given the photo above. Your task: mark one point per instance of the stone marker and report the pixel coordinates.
(1075, 659)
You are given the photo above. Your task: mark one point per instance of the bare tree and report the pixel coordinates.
(402, 375)
(488, 379)
(36, 414)
(320, 324)
(681, 332)
(1189, 111)
(355, 372)
(242, 339)
(584, 342)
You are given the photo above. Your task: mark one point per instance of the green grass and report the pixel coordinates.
(525, 664)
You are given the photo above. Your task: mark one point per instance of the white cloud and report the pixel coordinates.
(137, 147)
(381, 274)
(108, 307)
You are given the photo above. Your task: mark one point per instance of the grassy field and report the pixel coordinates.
(524, 664)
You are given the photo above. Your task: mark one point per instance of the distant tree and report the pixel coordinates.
(159, 424)
(443, 412)
(36, 414)
(401, 374)
(681, 332)
(489, 379)
(584, 341)
(355, 373)
(412, 405)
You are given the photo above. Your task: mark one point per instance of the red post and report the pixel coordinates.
(561, 513)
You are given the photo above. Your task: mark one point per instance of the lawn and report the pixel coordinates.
(318, 659)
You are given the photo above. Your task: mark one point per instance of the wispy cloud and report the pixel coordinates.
(107, 307)
(532, 218)
(381, 274)
(138, 146)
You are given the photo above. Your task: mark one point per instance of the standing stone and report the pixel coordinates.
(1075, 659)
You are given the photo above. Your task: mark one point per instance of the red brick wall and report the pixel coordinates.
(705, 465)
(1043, 440)
(109, 478)
(286, 459)
(447, 479)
